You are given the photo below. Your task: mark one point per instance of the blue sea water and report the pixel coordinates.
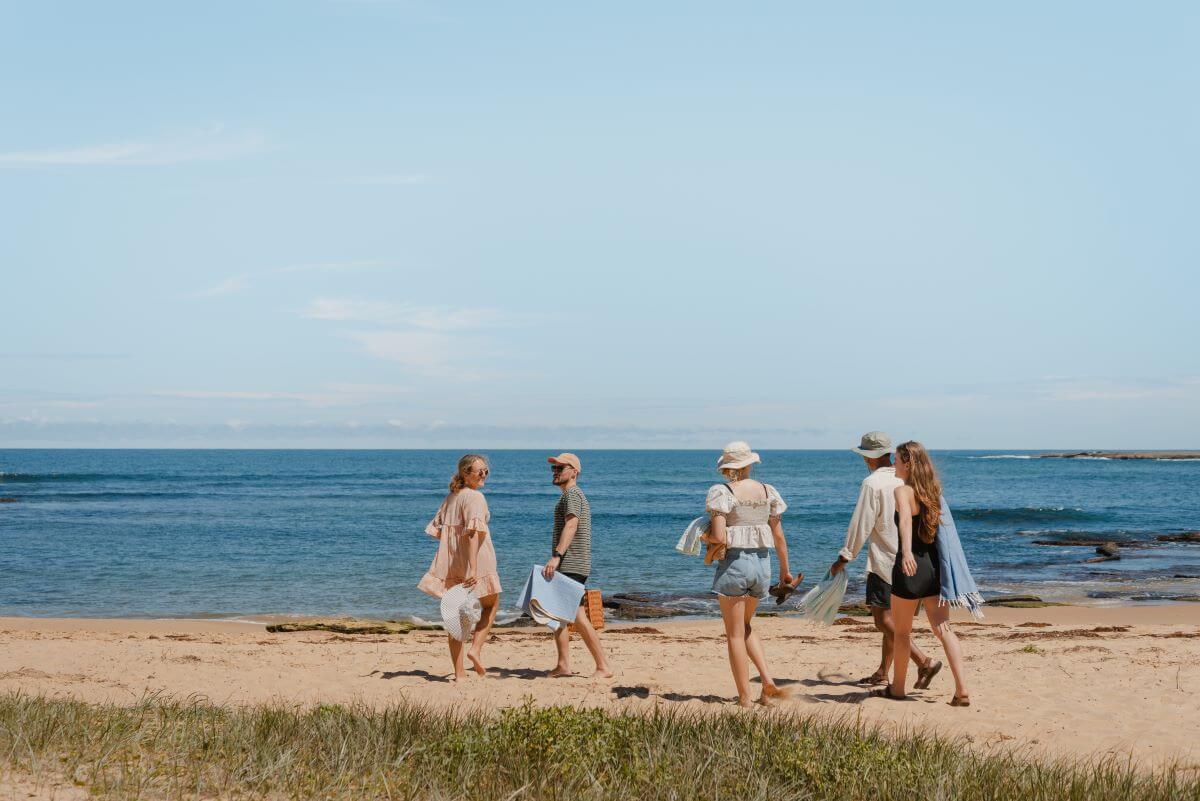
(221, 533)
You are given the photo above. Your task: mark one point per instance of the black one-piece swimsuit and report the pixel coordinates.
(927, 581)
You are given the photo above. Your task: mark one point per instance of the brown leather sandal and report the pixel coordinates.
(960, 700)
(925, 674)
(874, 678)
(886, 692)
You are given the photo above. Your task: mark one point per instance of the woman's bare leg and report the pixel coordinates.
(939, 621)
(755, 651)
(490, 604)
(903, 611)
(456, 657)
(733, 613)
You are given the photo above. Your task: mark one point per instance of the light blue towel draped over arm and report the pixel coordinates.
(958, 587)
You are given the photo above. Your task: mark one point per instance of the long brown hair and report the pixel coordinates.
(925, 485)
(464, 464)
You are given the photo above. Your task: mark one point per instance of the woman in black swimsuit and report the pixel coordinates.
(916, 577)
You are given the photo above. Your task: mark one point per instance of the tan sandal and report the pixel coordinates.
(925, 674)
(960, 700)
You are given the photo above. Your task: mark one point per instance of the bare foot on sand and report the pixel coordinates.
(775, 692)
(560, 672)
(476, 663)
(606, 673)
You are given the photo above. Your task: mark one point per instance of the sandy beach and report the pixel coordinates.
(1077, 681)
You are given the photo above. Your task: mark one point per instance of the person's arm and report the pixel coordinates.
(904, 509)
(564, 542)
(861, 523)
(717, 537)
(785, 575)
(473, 538)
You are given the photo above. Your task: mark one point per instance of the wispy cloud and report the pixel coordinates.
(61, 356)
(429, 351)
(429, 318)
(331, 266)
(201, 394)
(208, 144)
(230, 286)
(334, 394)
(431, 340)
(1117, 390)
(397, 179)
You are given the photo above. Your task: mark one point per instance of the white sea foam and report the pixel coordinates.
(1004, 456)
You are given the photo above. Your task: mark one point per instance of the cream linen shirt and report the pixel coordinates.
(875, 520)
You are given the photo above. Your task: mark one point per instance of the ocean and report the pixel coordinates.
(255, 533)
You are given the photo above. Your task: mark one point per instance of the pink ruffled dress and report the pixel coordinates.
(461, 512)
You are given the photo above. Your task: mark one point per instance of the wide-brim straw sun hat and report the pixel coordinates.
(461, 610)
(736, 456)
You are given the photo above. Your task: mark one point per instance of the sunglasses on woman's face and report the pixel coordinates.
(483, 471)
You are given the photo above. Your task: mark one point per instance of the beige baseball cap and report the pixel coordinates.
(568, 459)
(874, 444)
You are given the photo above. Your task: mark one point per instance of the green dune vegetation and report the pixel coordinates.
(163, 747)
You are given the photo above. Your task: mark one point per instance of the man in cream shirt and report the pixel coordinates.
(874, 522)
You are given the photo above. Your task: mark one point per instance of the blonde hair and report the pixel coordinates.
(736, 473)
(464, 465)
(923, 479)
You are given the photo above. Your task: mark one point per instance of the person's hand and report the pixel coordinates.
(469, 582)
(714, 551)
(551, 566)
(908, 565)
(787, 578)
(836, 567)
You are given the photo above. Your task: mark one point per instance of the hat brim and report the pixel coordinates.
(875, 454)
(754, 458)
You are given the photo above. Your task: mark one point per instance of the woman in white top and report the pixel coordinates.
(745, 528)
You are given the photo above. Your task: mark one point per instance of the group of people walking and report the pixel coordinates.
(913, 555)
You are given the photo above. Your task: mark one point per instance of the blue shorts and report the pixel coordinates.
(744, 571)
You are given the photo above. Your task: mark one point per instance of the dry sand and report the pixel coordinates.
(1080, 681)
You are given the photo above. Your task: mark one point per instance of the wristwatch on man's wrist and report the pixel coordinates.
(556, 555)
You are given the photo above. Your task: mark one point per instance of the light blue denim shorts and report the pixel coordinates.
(744, 571)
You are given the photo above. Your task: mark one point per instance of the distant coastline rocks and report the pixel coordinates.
(1125, 455)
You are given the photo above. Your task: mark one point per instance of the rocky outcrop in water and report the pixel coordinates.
(351, 626)
(1123, 455)
(1187, 536)
(1020, 602)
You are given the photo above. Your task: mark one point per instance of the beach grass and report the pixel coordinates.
(163, 747)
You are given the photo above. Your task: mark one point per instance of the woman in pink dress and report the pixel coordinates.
(465, 555)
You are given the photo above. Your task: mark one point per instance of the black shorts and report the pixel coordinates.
(879, 592)
(925, 583)
(582, 580)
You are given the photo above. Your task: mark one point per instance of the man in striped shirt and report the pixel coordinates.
(571, 555)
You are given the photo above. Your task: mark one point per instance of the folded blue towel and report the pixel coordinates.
(958, 587)
(551, 603)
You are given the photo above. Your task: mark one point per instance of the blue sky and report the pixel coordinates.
(323, 223)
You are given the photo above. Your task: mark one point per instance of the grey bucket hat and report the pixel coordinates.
(874, 444)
